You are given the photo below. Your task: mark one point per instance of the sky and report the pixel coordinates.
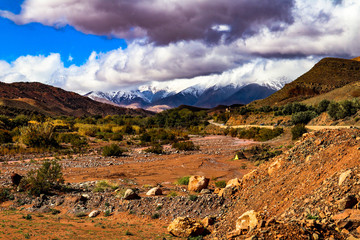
(110, 45)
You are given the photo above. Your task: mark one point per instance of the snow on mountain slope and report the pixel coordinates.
(204, 92)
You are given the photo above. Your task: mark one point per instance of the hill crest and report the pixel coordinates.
(328, 74)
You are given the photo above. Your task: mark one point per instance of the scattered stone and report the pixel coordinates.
(185, 227)
(233, 183)
(154, 191)
(347, 202)
(197, 183)
(208, 221)
(247, 221)
(94, 213)
(205, 191)
(343, 176)
(130, 194)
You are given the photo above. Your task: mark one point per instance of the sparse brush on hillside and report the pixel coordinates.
(257, 134)
(303, 117)
(40, 135)
(343, 109)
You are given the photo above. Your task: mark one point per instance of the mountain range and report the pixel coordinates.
(156, 98)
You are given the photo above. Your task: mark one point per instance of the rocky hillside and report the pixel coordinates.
(325, 76)
(48, 100)
(311, 191)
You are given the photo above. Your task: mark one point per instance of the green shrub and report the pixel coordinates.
(116, 137)
(112, 150)
(48, 177)
(220, 184)
(128, 233)
(155, 216)
(39, 136)
(303, 117)
(183, 180)
(323, 106)
(185, 146)
(107, 213)
(27, 217)
(297, 131)
(156, 148)
(259, 134)
(77, 141)
(5, 195)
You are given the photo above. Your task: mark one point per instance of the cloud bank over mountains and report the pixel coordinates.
(203, 39)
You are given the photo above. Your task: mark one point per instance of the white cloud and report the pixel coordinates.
(319, 29)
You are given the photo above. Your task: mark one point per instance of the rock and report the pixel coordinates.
(226, 192)
(130, 195)
(208, 221)
(15, 179)
(247, 221)
(274, 166)
(233, 183)
(185, 227)
(94, 213)
(343, 176)
(45, 209)
(205, 191)
(154, 192)
(197, 183)
(347, 202)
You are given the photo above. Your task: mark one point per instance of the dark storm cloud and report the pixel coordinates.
(163, 21)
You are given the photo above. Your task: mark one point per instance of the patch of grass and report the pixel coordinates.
(159, 207)
(220, 184)
(193, 197)
(107, 213)
(314, 217)
(172, 194)
(183, 180)
(103, 185)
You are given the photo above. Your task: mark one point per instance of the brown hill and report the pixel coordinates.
(325, 76)
(312, 180)
(356, 59)
(48, 100)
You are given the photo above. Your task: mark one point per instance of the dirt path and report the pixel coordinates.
(315, 128)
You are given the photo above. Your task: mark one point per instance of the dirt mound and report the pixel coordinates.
(302, 184)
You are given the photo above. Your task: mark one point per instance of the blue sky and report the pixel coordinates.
(37, 39)
(116, 44)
